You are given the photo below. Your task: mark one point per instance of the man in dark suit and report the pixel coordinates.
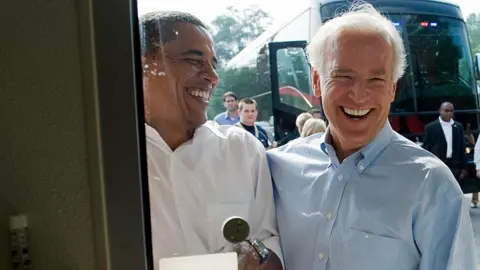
(444, 138)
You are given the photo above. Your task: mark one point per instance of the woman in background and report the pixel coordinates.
(313, 126)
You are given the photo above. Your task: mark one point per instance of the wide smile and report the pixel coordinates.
(356, 114)
(200, 94)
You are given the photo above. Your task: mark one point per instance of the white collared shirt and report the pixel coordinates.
(447, 130)
(221, 172)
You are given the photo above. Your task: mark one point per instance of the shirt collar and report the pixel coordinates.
(373, 149)
(209, 126)
(368, 152)
(227, 117)
(449, 123)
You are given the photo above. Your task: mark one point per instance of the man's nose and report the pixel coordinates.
(210, 74)
(359, 92)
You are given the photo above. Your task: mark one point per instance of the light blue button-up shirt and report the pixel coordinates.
(225, 119)
(391, 205)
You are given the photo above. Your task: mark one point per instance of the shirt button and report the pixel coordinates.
(329, 215)
(321, 256)
(340, 177)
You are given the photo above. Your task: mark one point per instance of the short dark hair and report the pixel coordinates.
(246, 101)
(156, 28)
(230, 94)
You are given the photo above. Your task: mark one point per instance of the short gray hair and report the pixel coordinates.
(361, 17)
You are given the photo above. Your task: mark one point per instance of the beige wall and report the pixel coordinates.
(43, 152)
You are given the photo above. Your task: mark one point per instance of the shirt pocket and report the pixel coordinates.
(366, 251)
(217, 214)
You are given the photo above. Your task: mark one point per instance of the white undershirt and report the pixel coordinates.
(221, 172)
(447, 130)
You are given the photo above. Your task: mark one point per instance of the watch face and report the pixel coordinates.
(235, 230)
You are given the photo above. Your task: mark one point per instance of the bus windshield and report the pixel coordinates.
(440, 62)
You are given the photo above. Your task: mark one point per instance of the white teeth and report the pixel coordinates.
(355, 112)
(199, 93)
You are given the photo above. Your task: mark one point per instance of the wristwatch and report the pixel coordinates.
(261, 249)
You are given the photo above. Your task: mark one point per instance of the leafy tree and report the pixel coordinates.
(473, 26)
(235, 29)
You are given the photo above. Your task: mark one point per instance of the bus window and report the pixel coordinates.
(403, 96)
(294, 79)
(440, 61)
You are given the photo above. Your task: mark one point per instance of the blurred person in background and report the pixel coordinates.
(299, 122)
(445, 139)
(313, 126)
(469, 138)
(230, 116)
(247, 108)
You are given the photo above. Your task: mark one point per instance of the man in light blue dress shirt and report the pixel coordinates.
(362, 197)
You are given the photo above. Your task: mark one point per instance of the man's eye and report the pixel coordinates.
(193, 61)
(343, 77)
(377, 79)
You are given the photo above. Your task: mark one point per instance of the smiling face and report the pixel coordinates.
(356, 87)
(179, 78)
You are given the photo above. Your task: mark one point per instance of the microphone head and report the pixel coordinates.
(235, 230)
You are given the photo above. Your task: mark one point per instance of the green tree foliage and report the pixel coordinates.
(473, 26)
(235, 29)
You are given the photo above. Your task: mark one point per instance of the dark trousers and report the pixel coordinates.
(455, 171)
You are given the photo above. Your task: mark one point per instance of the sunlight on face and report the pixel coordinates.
(357, 87)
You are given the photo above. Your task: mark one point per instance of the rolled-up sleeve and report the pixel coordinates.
(443, 231)
(263, 217)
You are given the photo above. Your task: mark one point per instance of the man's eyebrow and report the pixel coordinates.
(198, 53)
(193, 52)
(341, 70)
(379, 72)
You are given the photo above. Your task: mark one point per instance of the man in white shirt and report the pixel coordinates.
(200, 173)
(445, 139)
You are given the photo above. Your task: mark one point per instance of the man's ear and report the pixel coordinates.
(316, 83)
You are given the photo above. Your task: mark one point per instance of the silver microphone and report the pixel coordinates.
(236, 230)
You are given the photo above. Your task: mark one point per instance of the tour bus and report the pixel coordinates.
(274, 69)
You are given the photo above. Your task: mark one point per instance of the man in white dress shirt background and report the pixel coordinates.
(445, 139)
(361, 196)
(200, 173)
